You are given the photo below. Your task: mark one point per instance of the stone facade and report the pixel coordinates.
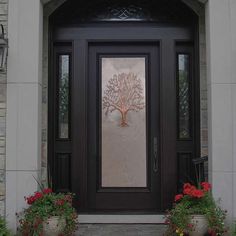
(3, 89)
(25, 87)
(48, 9)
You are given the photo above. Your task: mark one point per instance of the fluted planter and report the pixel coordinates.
(53, 226)
(200, 225)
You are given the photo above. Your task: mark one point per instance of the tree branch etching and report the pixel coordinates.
(124, 93)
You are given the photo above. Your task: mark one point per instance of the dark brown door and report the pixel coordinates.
(124, 115)
(123, 126)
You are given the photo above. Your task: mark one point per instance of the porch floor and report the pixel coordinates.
(120, 230)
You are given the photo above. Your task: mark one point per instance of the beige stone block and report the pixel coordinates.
(2, 126)
(3, 77)
(204, 119)
(44, 152)
(2, 142)
(2, 105)
(3, 8)
(2, 208)
(2, 189)
(2, 162)
(2, 150)
(3, 89)
(2, 112)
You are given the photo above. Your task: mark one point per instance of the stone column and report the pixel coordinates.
(23, 135)
(233, 88)
(221, 63)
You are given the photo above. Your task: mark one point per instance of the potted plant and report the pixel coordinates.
(195, 213)
(48, 213)
(3, 228)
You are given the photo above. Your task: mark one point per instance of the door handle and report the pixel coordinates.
(155, 154)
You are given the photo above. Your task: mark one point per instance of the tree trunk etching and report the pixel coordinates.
(123, 119)
(124, 93)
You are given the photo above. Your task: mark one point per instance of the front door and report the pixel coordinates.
(123, 126)
(124, 112)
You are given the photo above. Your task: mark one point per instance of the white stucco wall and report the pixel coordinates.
(24, 106)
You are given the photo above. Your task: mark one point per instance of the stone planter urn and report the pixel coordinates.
(200, 225)
(53, 226)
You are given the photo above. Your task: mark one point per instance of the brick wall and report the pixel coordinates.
(3, 88)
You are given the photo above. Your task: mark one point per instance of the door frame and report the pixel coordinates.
(60, 36)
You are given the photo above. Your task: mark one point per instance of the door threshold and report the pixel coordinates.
(121, 219)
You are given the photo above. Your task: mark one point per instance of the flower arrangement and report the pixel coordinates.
(42, 206)
(195, 201)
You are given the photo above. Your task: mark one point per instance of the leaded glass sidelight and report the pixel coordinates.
(183, 77)
(63, 96)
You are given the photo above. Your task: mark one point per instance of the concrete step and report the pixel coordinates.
(120, 230)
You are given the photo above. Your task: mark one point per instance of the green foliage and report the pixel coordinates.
(3, 228)
(234, 229)
(179, 217)
(43, 206)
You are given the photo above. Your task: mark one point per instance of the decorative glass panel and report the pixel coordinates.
(183, 95)
(123, 122)
(63, 97)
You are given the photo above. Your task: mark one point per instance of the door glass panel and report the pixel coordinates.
(123, 122)
(63, 96)
(183, 96)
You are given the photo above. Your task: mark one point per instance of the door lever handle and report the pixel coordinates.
(155, 154)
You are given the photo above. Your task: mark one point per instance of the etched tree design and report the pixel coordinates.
(124, 93)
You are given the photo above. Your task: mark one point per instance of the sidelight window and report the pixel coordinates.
(183, 78)
(63, 96)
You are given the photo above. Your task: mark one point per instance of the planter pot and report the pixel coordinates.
(200, 225)
(53, 226)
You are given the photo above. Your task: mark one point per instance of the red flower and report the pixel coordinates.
(206, 186)
(178, 197)
(47, 190)
(68, 198)
(30, 200)
(197, 193)
(59, 202)
(189, 190)
(211, 232)
(190, 226)
(187, 185)
(38, 195)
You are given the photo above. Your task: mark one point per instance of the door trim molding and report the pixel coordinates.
(121, 219)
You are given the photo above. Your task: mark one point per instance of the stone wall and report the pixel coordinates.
(3, 78)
